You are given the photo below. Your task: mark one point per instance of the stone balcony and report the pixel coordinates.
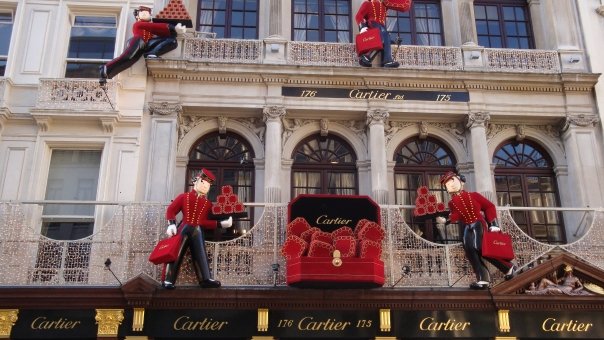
(73, 95)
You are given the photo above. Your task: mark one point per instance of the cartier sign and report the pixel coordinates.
(323, 324)
(200, 323)
(560, 325)
(55, 324)
(330, 212)
(383, 94)
(443, 324)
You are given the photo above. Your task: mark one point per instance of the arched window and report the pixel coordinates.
(229, 157)
(524, 176)
(421, 162)
(324, 165)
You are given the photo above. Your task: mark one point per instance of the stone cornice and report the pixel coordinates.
(356, 77)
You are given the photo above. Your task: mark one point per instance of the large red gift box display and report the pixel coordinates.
(334, 241)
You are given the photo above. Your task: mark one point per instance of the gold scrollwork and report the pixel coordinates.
(109, 321)
(8, 317)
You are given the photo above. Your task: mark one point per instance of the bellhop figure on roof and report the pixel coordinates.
(474, 211)
(196, 210)
(150, 39)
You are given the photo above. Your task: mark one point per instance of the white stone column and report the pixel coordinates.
(477, 123)
(467, 24)
(584, 156)
(161, 152)
(377, 151)
(272, 153)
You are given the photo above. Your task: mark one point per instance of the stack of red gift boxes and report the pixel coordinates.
(174, 10)
(426, 203)
(228, 204)
(364, 242)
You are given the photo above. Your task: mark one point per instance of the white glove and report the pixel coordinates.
(171, 231)
(364, 29)
(441, 220)
(227, 223)
(494, 229)
(180, 29)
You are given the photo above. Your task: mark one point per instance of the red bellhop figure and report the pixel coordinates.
(149, 39)
(468, 208)
(196, 209)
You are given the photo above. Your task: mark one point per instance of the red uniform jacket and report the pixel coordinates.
(373, 10)
(467, 207)
(147, 30)
(195, 210)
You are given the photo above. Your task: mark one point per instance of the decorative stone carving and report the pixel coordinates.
(108, 124)
(186, 123)
(324, 124)
(291, 125)
(165, 108)
(256, 125)
(377, 116)
(392, 127)
(580, 120)
(43, 123)
(273, 113)
(222, 121)
(567, 285)
(477, 119)
(423, 130)
(520, 133)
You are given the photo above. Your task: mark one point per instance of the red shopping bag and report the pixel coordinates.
(497, 245)
(166, 250)
(368, 41)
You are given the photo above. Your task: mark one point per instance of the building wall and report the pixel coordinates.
(146, 142)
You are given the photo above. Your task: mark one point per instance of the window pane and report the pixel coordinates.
(72, 175)
(6, 28)
(91, 38)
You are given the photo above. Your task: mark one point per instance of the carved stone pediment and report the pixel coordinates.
(562, 275)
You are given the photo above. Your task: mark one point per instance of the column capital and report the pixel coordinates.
(579, 120)
(377, 116)
(165, 108)
(273, 113)
(478, 119)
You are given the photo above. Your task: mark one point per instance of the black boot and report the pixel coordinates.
(210, 283)
(364, 61)
(103, 75)
(392, 64)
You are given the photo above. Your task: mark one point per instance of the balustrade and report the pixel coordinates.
(253, 259)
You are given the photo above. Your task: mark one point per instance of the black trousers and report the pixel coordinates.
(136, 48)
(192, 239)
(472, 244)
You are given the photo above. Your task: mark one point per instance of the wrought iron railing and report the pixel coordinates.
(76, 94)
(511, 60)
(241, 51)
(253, 259)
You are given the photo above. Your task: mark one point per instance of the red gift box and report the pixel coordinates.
(368, 41)
(166, 250)
(497, 245)
(315, 272)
